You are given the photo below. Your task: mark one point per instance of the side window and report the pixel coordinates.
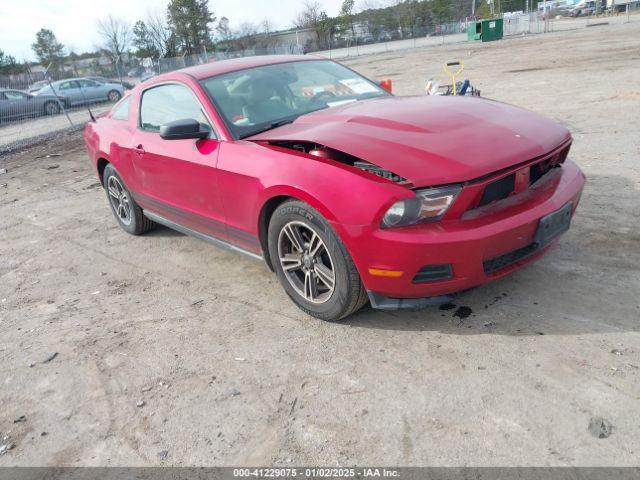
(166, 103)
(68, 85)
(87, 83)
(13, 95)
(121, 110)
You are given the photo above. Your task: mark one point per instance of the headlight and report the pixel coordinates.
(428, 205)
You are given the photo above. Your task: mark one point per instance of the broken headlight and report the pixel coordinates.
(429, 205)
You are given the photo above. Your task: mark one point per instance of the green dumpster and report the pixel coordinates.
(485, 30)
(474, 31)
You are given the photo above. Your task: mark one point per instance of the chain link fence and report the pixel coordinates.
(39, 103)
(438, 34)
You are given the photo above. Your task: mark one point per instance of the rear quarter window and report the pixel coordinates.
(121, 110)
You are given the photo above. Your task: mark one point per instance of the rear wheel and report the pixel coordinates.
(114, 96)
(127, 212)
(51, 108)
(312, 264)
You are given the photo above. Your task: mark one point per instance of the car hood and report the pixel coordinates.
(429, 140)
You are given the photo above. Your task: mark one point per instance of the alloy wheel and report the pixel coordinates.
(119, 199)
(52, 108)
(306, 262)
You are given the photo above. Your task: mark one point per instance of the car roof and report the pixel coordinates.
(233, 65)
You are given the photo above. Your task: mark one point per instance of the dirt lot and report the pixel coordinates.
(227, 371)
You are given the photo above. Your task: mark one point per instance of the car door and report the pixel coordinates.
(5, 114)
(70, 90)
(91, 90)
(19, 104)
(177, 179)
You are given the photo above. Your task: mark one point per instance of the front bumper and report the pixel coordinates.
(467, 244)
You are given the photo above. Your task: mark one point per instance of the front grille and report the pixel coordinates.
(506, 186)
(429, 273)
(503, 261)
(498, 190)
(538, 170)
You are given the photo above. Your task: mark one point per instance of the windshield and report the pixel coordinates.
(258, 99)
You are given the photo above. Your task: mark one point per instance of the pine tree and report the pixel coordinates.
(189, 21)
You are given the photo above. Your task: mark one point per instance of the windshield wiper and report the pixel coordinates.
(270, 126)
(279, 123)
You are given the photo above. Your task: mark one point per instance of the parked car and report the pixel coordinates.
(99, 79)
(78, 91)
(15, 104)
(348, 193)
(34, 87)
(146, 75)
(583, 9)
(125, 84)
(135, 72)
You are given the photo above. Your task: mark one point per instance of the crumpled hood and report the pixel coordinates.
(429, 140)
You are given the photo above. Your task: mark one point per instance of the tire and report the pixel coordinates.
(114, 96)
(51, 108)
(127, 212)
(308, 289)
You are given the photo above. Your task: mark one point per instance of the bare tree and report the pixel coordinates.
(266, 26)
(313, 17)
(223, 30)
(160, 34)
(115, 34)
(309, 16)
(245, 35)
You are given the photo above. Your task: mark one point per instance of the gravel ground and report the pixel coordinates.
(163, 350)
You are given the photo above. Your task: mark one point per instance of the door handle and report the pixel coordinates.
(139, 149)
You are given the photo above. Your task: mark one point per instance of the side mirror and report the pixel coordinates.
(183, 129)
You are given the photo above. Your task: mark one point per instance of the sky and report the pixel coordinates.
(73, 21)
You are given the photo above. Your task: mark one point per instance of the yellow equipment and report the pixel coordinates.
(453, 74)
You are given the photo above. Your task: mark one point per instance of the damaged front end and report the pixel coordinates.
(427, 205)
(322, 151)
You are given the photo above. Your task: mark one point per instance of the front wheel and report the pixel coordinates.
(312, 264)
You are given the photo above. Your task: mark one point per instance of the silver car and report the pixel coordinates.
(79, 91)
(37, 86)
(15, 104)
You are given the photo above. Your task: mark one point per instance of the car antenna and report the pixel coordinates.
(93, 119)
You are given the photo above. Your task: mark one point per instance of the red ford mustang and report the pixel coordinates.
(348, 193)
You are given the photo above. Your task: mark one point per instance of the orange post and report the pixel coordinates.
(387, 84)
